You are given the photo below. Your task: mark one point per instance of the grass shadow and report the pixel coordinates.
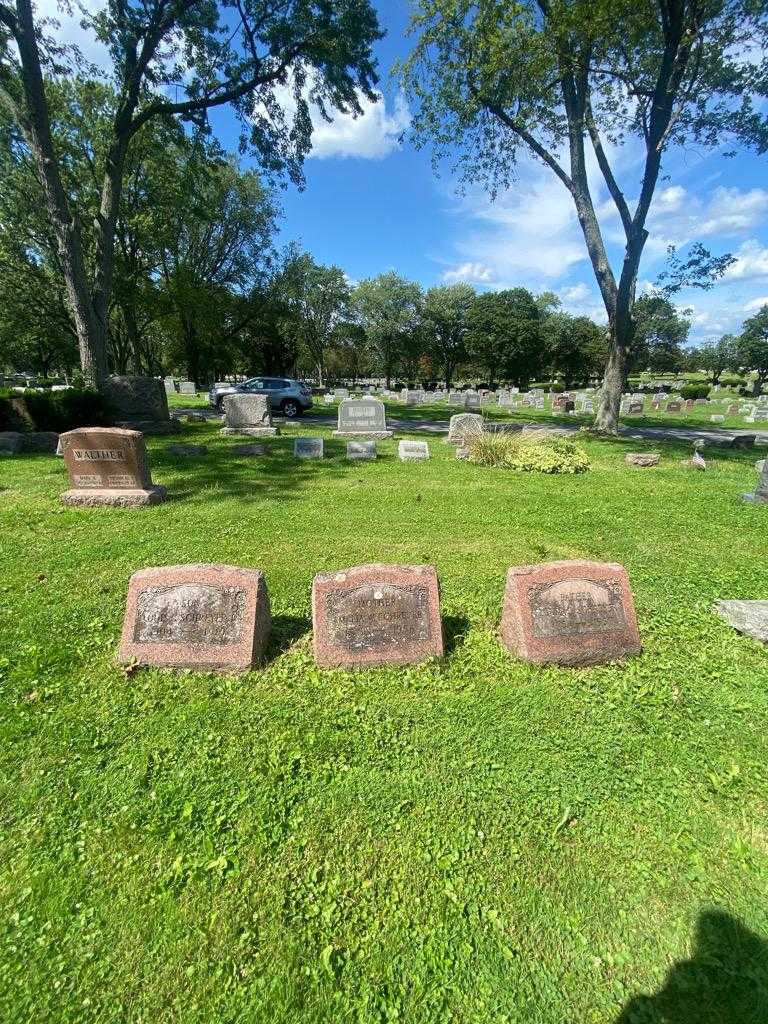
(455, 629)
(725, 981)
(286, 631)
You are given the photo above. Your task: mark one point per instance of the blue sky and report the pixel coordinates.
(373, 204)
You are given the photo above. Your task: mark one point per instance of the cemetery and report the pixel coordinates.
(383, 512)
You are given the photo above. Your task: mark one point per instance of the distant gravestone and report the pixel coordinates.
(249, 415)
(187, 387)
(635, 409)
(361, 451)
(170, 386)
(329, 399)
(308, 447)
(760, 494)
(642, 459)
(413, 451)
(412, 397)
(341, 392)
(107, 466)
(456, 398)
(760, 415)
(472, 400)
(674, 407)
(569, 613)
(589, 407)
(700, 401)
(464, 426)
(362, 417)
(212, 617)
(186, 449)
(139, 403)
(376, 615)
(715, 418)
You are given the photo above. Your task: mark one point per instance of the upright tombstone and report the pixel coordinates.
(376, 615)
(635, 409)
(362, 418)
(139, 403)
(341, 392)
(463, 426)
(412, 397)
(248, 414)
(674, 406)
(170, 386)
(107, 466)
(472, 400)
(457, 398)
(413, 451)
(569, 613)
(196, 616)
(760, 494)
(187, 387)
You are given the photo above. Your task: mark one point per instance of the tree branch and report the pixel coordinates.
(616, 194)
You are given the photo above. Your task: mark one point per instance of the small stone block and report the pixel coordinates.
(248, 449)
(308, 448)
(413, 451)
(187, 449)
(749, 617)
(569, 613)
(208, 617)
(376, 615)
(361, 450)
(642, 459)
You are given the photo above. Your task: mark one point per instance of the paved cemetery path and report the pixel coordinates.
(712, 435)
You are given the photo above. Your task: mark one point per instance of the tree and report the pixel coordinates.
(388, 308)
(715, 359)
(660, 333)
(446, 312)
(577, 347)
(319, 303)
(552, 77)
(237, 54)
(752, 345)
(505, 336)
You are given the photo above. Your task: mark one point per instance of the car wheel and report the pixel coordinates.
(290, 409)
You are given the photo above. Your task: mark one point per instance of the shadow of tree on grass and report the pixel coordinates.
(725, 981)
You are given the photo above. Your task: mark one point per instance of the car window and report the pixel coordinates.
(255, 384)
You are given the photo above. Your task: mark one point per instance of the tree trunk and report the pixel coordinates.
(609, 402)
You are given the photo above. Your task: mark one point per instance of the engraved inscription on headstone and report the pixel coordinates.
(196, 616)
(190, 613)
(413, 451)
(308, 447)
(376, 615)
(575, 606)
(372, 617)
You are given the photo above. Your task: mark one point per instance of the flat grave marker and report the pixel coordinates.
(413, 451)
(308, 448)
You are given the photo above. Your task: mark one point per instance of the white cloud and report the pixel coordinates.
(71, 32)
(755, 304)
(751, 262)
(472, 273)
(575, 293)
(678, 217)
(371, 136)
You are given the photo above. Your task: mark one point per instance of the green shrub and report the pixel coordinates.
(532, 452)
(695, 391)
(53, 410)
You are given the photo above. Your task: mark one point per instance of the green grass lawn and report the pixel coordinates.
(472, 840)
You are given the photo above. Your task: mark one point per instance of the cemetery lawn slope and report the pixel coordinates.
(473, 840)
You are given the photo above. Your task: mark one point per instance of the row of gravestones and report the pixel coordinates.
(185, 387)
(217, 617)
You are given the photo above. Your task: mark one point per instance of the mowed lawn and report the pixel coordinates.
(472, 840)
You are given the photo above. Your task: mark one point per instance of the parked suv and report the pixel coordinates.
(289, 397)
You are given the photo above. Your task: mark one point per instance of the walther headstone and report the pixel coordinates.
(760, 494)
(196, 616)
(376, 615)
(569, 613)
(139, 403)
(107, 466)
(248, 414)
(362, 417)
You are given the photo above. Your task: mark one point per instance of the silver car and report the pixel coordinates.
(287, 396)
